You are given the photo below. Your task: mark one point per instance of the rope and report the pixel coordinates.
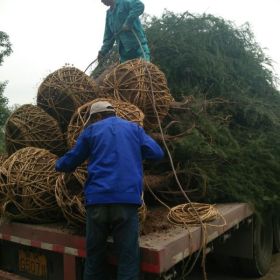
(31, 126)
(90, 65)
(28, 187)
(63, 91)
(142, 211)
(190, 213)
(69, 195)
(81, 117)
(179, 214)
(107, 55)
(128, 82)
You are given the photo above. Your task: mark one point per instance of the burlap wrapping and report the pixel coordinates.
(140, 83)
(63, 91)
(28, 180)
(123, 109)
(31, 126)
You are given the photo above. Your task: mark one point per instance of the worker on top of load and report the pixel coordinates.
(123, 26)
(115, 149)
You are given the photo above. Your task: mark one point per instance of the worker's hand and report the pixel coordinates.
(100, 57)
(126, 28)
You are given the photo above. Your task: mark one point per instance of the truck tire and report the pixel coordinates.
(276, 234)
(260, 262)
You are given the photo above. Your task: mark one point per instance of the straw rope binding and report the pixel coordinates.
(31, 126)
(63, 91)
(123, 109)
(130, 82)
(69, 195)
(27, 185)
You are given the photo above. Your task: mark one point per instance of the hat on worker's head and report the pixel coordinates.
(101, 106)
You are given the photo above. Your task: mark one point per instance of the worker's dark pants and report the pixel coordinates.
(122, 222)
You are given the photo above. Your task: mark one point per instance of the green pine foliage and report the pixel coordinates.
(233, 151)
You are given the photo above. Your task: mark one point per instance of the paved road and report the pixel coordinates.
(218, 271)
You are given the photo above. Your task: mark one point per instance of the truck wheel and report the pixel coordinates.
(260, 263)
(276, 234)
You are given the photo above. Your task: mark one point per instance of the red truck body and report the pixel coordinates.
(33, 247)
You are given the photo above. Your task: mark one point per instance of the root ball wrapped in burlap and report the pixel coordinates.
(123, 109)
(31, 126)
(63, 91)
(140, 83)
(30, 177)
(69, 196)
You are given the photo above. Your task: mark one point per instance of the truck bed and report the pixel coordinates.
(160, 250)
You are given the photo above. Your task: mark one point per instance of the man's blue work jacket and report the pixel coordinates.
(125, 12)
(115, 149)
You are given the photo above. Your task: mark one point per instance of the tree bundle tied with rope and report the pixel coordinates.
(27, 181)
(31, 126)
(138, 82)
(70, 198)
(81, 117)
(63, 91)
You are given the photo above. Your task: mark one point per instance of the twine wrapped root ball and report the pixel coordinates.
(123, 109)
(30, 186)
(3, 186)
(63, 91)
(3, 157)
(69, 196)
(142, 84)
(31, 126)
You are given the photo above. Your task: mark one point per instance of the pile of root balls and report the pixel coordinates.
(37, 135)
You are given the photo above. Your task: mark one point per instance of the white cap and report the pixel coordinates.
(101, 106)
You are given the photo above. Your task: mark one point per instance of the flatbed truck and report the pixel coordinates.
(49, 252)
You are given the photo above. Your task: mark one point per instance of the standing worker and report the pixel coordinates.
(115, 149)
(123, 26)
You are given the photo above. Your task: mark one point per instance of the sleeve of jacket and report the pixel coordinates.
(108, 38)
(75, 157)
(149, 147)
(136, 8)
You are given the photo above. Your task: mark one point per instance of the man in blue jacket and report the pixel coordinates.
(115, 149)
(124, 27)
